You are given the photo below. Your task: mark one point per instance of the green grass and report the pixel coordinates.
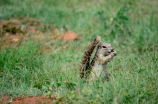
(131, 27)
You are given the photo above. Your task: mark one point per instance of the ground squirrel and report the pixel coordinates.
(95, 68)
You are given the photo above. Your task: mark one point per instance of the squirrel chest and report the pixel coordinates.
(97, 70)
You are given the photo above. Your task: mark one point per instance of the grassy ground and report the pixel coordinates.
(131, 26)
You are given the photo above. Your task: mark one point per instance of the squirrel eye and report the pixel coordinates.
(103, 46)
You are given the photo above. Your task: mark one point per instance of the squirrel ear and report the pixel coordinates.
(98, 47)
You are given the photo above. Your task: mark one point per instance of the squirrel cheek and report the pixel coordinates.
(106, 53)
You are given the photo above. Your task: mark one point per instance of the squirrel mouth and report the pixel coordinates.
(106, 54)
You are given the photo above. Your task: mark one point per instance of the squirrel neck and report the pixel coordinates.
(97, 61)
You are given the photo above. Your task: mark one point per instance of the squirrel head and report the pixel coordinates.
(104, 49)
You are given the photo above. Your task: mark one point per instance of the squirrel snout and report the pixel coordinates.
(111, 50)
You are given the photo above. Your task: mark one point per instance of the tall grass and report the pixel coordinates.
(130, 26)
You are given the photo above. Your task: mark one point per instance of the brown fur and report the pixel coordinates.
(85, 64)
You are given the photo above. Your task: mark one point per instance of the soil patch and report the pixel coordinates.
(27, 100)
(14, 31)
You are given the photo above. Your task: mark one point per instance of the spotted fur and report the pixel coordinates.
(85, 64)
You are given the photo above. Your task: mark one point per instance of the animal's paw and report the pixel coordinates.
(114, 53)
